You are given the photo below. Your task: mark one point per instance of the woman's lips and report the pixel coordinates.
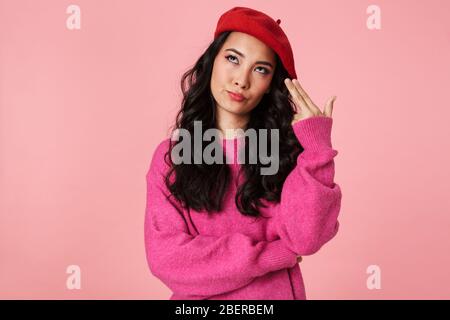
(236, 97)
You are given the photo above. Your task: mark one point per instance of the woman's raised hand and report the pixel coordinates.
(305, 108)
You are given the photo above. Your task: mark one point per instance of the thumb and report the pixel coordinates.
(329, 106)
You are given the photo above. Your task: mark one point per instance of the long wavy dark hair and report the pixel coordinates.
(203, 186)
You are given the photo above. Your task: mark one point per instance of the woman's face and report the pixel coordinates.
(244, 65)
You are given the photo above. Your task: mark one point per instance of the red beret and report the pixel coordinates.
(261, 26)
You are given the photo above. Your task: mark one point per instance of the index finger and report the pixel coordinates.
(304, 95)
(295, 94)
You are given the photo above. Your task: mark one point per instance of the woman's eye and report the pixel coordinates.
(265, 70)
(230, 56)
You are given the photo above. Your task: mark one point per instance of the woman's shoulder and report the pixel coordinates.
(161, 148)
(159, 159)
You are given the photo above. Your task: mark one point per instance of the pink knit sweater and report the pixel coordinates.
(231, 256)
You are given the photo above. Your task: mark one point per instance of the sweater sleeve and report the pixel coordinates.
(307, 216)
(200, 265)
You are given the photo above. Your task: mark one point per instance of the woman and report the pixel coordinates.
(226, 231)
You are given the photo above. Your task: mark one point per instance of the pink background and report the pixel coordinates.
(81, 112)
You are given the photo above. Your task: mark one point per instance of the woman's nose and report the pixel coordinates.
(242, 80)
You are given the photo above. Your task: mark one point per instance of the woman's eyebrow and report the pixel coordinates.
(243, 56)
